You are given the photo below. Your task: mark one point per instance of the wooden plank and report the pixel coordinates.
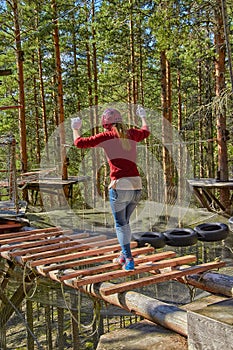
(49, 248)
(98, 242)
(32, 244)
(68, 257)
(125, 286)
(37, 245)
(32, 237)
(28, 233)
(147, 267)
(102, 268)
(9, 226)
(88, 261)
(65, 241)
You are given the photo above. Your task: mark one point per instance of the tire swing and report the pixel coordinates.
(155, 239)
(211, 232)
(180, 237)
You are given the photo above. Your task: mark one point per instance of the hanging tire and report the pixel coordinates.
(180, 237)
(211, 232)
(155, 239)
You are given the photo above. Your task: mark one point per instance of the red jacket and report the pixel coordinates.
(122, 162)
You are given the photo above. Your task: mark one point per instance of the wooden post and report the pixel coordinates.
(48, 327)
(8, 309)
(74, 324)
(29, 312)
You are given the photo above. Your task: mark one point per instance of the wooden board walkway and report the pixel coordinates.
(82, 259)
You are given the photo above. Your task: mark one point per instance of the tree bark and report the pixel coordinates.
(166, 132)
(221, 113)
(22, 117)
(166, 315)
(60, 92)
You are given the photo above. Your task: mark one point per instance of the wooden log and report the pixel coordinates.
(168, 316)
(212, 282)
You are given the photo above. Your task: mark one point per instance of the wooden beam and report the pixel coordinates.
(54, 249)
(9, 306)
(98, 242)
(97, 269)
(147, 267)
(68, 257)
(28, 233)
(88, 261)
(32, 237)
(125, 286)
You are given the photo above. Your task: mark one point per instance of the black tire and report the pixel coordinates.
(180, 237)
(211, 232)
(155, 239)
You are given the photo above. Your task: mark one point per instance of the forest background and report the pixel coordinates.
(173, 57)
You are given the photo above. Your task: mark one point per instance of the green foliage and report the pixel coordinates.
(103, 31)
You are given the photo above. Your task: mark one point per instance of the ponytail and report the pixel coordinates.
(121, 131)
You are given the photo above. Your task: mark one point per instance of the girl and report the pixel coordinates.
(119, 144)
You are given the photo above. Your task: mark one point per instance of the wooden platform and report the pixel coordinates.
(204, 191)
(211, 327)
(50, 185)
(82, 259)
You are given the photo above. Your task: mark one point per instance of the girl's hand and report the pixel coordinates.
(76, 123)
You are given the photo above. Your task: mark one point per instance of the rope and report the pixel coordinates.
(193, 289)
(24, 283)
(96, 313)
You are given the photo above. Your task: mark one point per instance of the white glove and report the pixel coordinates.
(76, 123)
(141, 112)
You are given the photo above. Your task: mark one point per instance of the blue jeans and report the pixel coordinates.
(123, 203)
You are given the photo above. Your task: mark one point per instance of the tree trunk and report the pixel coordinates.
(44, 114)
(76, 71)
(132, 55)
(221, 113)
(60, 92)
(22, 117)
(166, 132)
(37, 124)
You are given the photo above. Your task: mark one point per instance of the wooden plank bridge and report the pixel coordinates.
(81, 259)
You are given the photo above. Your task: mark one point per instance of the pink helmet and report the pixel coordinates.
(110, 116)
